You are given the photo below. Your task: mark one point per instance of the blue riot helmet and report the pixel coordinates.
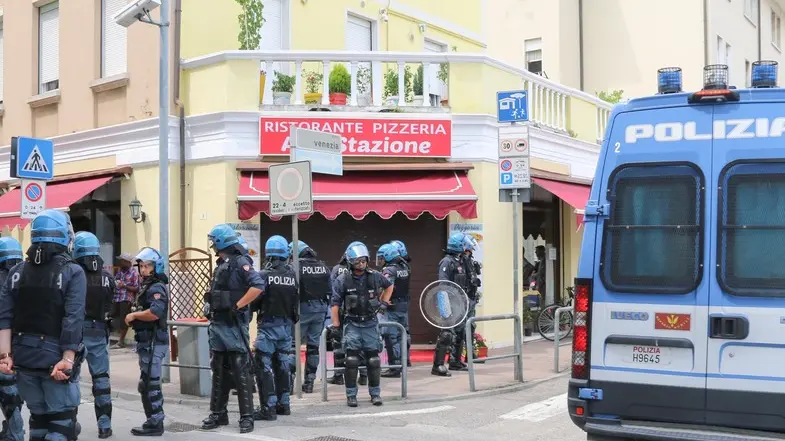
(151, 256)
(241, 240)
(86, 244)
(386, 253)
(10, 250)
(357, 253)
(401, 248)
(302, 247)
(456, 243)
(52, 226)
(221, 237)
(470, 243)
(276, 246)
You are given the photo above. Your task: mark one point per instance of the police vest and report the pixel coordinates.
(401, 285)
(314, 281)
(459, 272)
(143, 303)
(98, 295)
(223, 297)
(39, 306)
(280, 297)
(361, 300)
(3, 276)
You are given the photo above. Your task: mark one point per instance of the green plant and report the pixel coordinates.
(613, 97)
(444, 72)
(479, 341)
(391, 83)
(418, 79)
(283, 83)
(527, 317)
(251, 22)
(313, 81)
(340, 80)
(363, 79)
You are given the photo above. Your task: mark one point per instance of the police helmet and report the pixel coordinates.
(356, 252)
(151, 255)
(241, 240)
(456, 243)
(86, 244)
(276, 246)
(52, 226)
(401, 247)
(10, 249)
(386, 253)
(301, 248)
(222, 236)
(470, 242)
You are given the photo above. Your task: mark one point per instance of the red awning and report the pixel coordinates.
(59, 195)
(384, 193)
(576, 195)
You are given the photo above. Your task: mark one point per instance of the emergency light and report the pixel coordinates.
(715, 86)
(669, 80)
(764, 74)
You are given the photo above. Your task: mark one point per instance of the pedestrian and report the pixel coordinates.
(276, 314)
(127, 286)
(363, 293)
(148, 318)
(43, 301)
(13, 425)
(235, 285)
(394, 269)
(98, 301)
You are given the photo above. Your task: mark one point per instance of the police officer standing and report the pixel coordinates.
(277, 313)
(235, 285)
(13, 425)
(451, 268)
(150, 311)
(339, 357)
(43, 302)
(473, 270)
(394, 269)
(315, 292)
(363, 293)
(98, 303)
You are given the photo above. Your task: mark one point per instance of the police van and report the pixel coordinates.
(680, 296)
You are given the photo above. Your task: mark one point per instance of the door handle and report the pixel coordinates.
(728, 327)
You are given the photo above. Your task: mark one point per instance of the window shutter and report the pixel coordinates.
(114, 40)
(2, 43)
(272, 28)
(358, 34)
(49, 45)
(436, 86)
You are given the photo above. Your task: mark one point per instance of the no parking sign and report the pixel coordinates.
(33, 198)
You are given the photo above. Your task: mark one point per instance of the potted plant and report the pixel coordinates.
(444, 76)
(364, 86)
(282, 88)
(340, 85)
(418, 93)
(391, 86)
(480, 347)
(313, 84)
(251, 21)
(527, 318)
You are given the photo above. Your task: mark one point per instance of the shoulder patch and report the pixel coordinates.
(247, 267)
(156, 296)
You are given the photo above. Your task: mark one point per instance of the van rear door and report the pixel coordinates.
(649, 311)
(746, 349)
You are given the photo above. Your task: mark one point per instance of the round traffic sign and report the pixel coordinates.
(506, 165)
(521, 145)
(34, 192)
(506, 145)
(290, 184)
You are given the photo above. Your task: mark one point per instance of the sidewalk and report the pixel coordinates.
(490, 378)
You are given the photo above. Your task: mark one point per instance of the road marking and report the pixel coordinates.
(382, 414)
(540, 411)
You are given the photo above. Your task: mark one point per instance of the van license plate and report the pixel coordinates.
(648, 355)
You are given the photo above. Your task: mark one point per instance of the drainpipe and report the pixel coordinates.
(706, 32)
(178, 10)
(580, 40)
(760, 34)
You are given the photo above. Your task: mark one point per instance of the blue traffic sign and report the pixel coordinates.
(506, 178)
(34, 192)
(32, 158)
(321, 162)
(512, 106)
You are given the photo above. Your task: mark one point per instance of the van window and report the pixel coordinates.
(752, 229)
(652, 240)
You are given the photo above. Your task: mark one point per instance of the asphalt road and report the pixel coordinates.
(534, 414)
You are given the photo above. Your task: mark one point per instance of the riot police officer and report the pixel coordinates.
(473, 270)
(98, 303)
(363, 293)
(315, 292)
(405, 260)
(402, 250)
(394, 269)
(235, 285)
(13, 425)
(451, 268)
(148, 318)
(43, 301)
(277, 313)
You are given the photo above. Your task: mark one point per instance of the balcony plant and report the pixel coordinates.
(391, 86)
(251, 21)
(364, 86)
(417, 85)
(340, 85)
(444, 76)
(282, 88)
(313, 86)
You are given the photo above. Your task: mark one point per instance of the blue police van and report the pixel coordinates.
(680, 296)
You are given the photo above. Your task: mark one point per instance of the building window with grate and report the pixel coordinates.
(752, 229)
(652, 240)
(533, 52)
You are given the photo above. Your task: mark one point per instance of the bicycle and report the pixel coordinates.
(546, 317)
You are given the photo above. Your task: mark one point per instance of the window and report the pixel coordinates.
(273, 36)
(2, 44)
(438, 88)
(652, 240)
(751, 10)
(114, 40)
(776, 30)
(359, 37)
(533, 51)
(48, 47)
(752, 229)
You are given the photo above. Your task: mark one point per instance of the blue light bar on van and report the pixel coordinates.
(715, 76)
(669, 80)
(764, 74)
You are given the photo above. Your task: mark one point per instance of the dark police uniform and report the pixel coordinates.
(339, 357)
(315, 292)
(360, 297)
(473, 270)
(44, 305)
(14, 425)
(397, 272)
(452, 268)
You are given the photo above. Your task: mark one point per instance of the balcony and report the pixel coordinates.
(456, 83)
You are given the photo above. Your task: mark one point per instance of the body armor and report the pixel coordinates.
(146, 330)
(361, 300)
(280, 297)
(401, 285)
(222, 298)
(459, 272)
(40, 306)
(314, 281)
(97, 299)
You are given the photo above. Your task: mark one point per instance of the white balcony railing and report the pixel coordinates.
(549, 102)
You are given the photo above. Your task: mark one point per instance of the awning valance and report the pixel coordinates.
(576, 195)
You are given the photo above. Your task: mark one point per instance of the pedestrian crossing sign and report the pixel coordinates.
(32, 158)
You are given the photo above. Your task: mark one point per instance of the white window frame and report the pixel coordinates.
(118, 44)
(439, 90)
(54, 83)
(533, 45)
(751, 8)
(286, 39)
(776, 29)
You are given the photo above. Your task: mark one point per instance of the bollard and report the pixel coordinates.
(518, 354)
(556, 335)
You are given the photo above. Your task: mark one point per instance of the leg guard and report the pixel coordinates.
(64, 423)
(10, 404)
(283, 375)
(264, 379)
(374, 368)
(311, 362)
(443, 347)
(103, 395)
(239, 363)
(39, 426)
(220, 382)
(142, 388)
(352, 366)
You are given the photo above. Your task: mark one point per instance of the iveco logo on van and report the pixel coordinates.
(723, 129)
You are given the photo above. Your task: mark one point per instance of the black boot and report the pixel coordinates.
(104, 433)
(440, 371)
(246, 423)
(215, 420)
(336, 379)
(242, 375)
(264, 413)
(363, 380)
(149, 429)
(219, 393)
(351, 401)
(376, 400)
(308, 387)
(283, 409)
(457, 365)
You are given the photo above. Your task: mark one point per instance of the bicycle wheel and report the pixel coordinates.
(545, 325)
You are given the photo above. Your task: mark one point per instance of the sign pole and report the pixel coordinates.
(515, 300)
(296, 267)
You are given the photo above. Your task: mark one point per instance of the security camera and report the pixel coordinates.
(134, 10)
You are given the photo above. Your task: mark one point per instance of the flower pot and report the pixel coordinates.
(527, 332)
(282, 98)
(313, 98)
(364, 100)
(391, 101)
(338, 99)
(445, 103)
(418, 101)
(482, 352)
(262, 77)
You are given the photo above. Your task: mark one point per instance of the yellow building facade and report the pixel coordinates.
(419, 161)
